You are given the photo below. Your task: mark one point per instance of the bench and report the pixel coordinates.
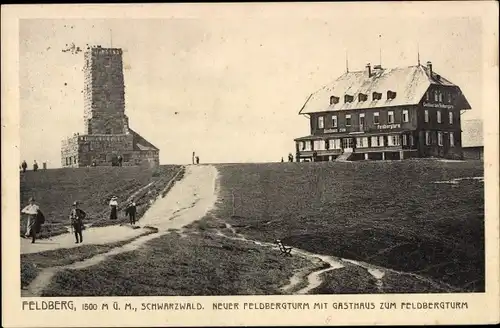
(284, 249)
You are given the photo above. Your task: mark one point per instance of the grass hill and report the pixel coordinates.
(413, 216)
(56, 190)
(391, 214)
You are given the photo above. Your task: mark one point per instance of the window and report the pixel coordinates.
(374, 141)
(319, 144)
(440, 96)
(361, 119)
(452, 139)
(376, 96)
(405, 140)
(307, 145)
(426, 115)
(334, 121)
(440, 138)
(449, 97)
(436, 96)
(362, 97)
(391, 94)
(348, 120)
(334, 100)
(348, 98)
(381, 141)
(334, 144)
(406, 117)
(439, 116)
(362, 142)
(321, 122)
(390, 117)
(450, 117)
(376, 118)
(411, 140)
(427, 137)
(427, 97)
(393, 140)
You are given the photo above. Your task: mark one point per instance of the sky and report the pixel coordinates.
(236, 83)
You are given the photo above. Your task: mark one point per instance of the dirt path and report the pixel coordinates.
(311, 279)
(189, 200)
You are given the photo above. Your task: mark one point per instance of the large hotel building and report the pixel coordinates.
(383, 113)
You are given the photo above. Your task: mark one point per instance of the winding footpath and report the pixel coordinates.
(188, 200)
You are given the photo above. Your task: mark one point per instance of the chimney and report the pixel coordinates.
(429, 67)
(368, 70)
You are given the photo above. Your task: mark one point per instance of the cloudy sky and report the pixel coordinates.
(236, 82)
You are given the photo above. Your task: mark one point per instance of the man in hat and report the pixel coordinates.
(76, 217)
(24, 166)
(113, 204)
(35, 219)
(131, 212)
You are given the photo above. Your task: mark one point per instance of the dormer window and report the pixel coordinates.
(362, 97)
(334, 100)
(391, 94)
(376, 96)
(348, 98)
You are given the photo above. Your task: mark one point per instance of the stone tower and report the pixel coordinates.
(104, 90)
(108, 137)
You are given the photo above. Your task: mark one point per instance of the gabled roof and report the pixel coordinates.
(140, 143)
(410, 84)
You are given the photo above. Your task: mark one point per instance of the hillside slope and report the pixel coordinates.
(55, 190)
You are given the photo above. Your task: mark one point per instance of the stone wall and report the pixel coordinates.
(82, 150)
(70, 152)
(104, 92)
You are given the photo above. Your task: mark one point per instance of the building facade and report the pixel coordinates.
(108, 135)
(382, 113)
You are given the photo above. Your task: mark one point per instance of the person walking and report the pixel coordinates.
(197, 160)
(24, 166)
(113, 204)
(193, 157)
(35, 219)
(35, 166)
(131, 211)
(76, 217)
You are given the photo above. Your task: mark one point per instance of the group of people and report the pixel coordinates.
(24, 166)
(76, 217)
(290, 158)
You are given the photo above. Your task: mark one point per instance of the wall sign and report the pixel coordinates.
(335, 130)
(388, 126)
(432, 105)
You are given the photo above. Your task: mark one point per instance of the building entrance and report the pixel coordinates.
(348, 145)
